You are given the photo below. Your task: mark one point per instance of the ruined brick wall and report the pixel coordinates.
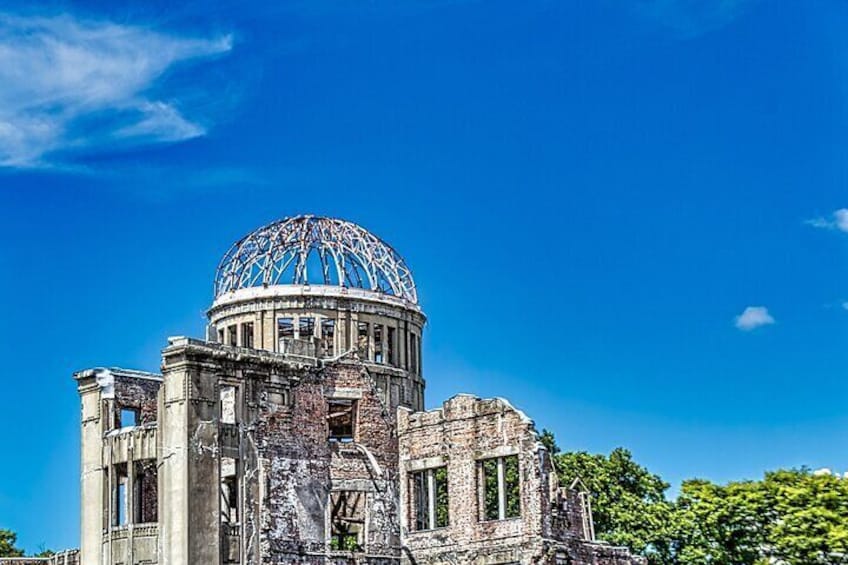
(461, 435)
(138, 394)
(302, 467)
(465, 431)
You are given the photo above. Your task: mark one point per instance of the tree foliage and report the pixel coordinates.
(629, 504)
(790, 517)
(8, 539)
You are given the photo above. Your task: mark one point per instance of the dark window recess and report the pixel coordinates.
(221, 336)
(430, 498)
(120, 502)
(347, 520)
(413, 350)
(362, 339)
(128, 417)
(501, 503)
(306, 328)
(341, 419)
(229, 491)
(390, 345)
(232, 335)
(146, 495)
(285, 328)
(378, 343)
(247, 335)
(328, 337)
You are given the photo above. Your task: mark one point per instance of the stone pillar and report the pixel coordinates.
(92, 487)
(189, 521)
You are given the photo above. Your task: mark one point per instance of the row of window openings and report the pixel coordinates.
(145, 499)
(341, 414)
(499, 480)
(500, 496)
(384, 351)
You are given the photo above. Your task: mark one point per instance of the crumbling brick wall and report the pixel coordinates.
(135, 393)
(460, 436)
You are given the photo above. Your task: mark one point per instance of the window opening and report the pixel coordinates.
(430, 498)
(347, 520)
(378, 343)
(341, 419)
(501, 492)
(247, 335)
(328, 337)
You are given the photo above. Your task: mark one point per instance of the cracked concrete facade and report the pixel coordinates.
(296, 433)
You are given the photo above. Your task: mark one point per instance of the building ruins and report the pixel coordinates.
(296, 432)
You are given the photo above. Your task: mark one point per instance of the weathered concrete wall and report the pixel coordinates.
(103, 394)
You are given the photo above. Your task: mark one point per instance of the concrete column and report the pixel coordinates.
(189, 521)
(92, 487)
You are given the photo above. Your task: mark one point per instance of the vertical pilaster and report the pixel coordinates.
(92, 487)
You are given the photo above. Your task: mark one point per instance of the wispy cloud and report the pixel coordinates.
(753, 317)
(69, 84)
(837, 221)
(691, 18)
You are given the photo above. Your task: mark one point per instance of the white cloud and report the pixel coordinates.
(837, 221)
(753, 317)
(74, 84)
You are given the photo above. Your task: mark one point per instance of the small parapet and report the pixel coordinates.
(67, 557)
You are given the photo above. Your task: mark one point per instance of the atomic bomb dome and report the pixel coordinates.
(312, 250)
(296, 434)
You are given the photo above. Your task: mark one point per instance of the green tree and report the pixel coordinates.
(808, 517)
(8, 539)
(549, 441)
(628, 502)
(720, 525)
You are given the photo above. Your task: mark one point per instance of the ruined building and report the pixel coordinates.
(296, 431)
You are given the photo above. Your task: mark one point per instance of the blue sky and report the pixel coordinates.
(627, 217)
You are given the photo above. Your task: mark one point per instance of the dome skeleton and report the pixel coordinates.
(347, 255)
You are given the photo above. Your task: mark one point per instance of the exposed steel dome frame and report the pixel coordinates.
(306, 250)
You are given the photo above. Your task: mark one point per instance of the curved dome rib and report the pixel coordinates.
(315, 250)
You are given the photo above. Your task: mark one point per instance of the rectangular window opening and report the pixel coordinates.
(390, 345)
(285, 328)
(128, 417)
(220, 336)
(119, 495)
(362, 340)
(232, 335)
(501, 488)
(378, 343)
(347, 520)
(341, 419)
(306, 327)
(430, 498)
(413, 351)
(328, 337)
(285, 334)
(146, 495)
(247, 335)
(229, 491)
